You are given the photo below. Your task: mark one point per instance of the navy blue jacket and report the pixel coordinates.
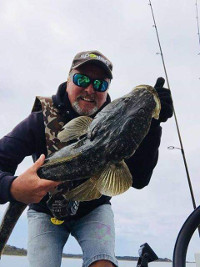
(28, 138)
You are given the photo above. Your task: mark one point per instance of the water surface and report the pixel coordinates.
(21, 261)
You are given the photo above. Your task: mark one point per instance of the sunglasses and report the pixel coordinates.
(84, 81)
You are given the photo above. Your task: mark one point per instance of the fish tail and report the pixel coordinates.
(9, 220)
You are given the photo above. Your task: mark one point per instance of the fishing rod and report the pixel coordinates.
(175, 117)
(197, 18)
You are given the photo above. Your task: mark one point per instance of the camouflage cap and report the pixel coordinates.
(93, 56)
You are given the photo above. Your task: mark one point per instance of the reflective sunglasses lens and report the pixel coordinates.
(81, 80)
(100, 86)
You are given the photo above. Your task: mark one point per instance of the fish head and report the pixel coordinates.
(154, 93)
(140, 106)
(135, 113)
(140, 98)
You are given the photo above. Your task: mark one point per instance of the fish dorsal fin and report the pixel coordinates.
(114, 180)
(85, 192)
(74, 129)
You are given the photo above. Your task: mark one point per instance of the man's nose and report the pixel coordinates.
(90, 89)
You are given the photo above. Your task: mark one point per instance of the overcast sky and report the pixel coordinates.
(39, 40)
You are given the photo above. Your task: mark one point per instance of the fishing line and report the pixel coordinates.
(176, 121)
(197, 18)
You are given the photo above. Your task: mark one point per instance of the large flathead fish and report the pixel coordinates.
(96, 151)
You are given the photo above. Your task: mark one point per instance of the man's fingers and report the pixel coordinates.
(39, 162)
(43, 184)
(48, 185)
(159, 83)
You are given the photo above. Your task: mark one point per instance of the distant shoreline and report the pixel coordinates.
(14, 251)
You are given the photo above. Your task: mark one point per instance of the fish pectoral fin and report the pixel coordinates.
(74, 129)
(114, 180)
(84, 192)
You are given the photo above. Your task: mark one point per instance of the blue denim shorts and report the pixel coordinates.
(94, 232)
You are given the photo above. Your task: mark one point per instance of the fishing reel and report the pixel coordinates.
(146, 254)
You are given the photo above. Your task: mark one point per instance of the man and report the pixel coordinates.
(52, 220)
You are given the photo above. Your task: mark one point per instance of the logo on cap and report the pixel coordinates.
(96, 57)
(92, 55)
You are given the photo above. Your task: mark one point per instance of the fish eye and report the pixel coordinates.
(127, 99)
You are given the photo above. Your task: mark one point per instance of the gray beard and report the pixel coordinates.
(77, 108)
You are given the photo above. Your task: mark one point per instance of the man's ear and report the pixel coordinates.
(68, 78)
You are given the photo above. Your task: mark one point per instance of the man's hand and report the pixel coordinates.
(165, 99)
(29, 187)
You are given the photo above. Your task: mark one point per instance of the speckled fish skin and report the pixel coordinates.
(114, 134)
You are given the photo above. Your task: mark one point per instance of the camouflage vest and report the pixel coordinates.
(53, 122)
